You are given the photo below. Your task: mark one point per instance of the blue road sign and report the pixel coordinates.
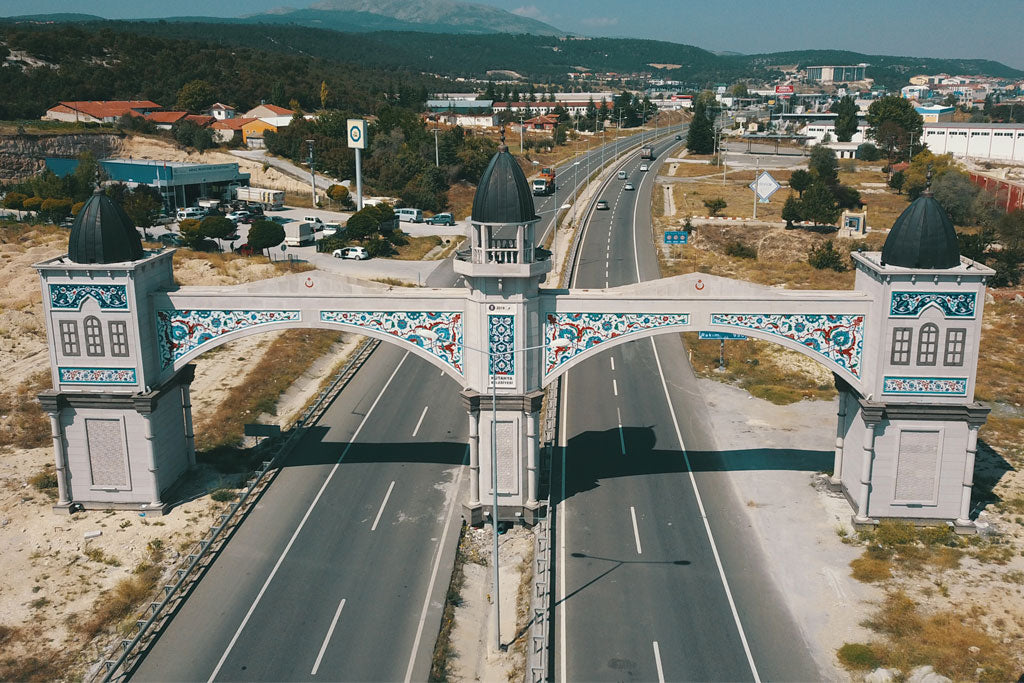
(719, 335)
(676, 237)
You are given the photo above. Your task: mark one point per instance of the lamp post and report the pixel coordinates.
(575, 189)
(312, 172)
(437, 152)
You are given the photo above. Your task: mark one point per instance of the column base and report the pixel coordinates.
(964, 527)
(158, 510)
(834, 483)
(859, 523)
(476, 515)
(65, 508)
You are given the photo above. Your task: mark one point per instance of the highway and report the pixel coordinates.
(657, 576)
(340, 571)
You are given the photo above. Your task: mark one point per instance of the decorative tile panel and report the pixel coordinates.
(181, 332)
(925, 386)
(96, 375)
(409, 326)
(584, 331)
(501, 341)
(952, 304)
(839, 338)
(69, 297)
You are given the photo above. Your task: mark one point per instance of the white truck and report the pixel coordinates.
(259, 195)
(298, 234)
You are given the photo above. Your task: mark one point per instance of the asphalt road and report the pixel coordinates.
(658, 577)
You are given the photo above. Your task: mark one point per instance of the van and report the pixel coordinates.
(623, 175)
(410, 215)
(312, 219)
(193, 212)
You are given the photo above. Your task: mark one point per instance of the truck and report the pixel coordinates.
(548, 173)
(298, 234)
(259, 195)
(647, 152)
(542, 187)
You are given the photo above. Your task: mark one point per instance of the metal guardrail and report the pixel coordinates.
(157, 614)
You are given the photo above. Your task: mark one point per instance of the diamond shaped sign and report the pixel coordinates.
(765, 186)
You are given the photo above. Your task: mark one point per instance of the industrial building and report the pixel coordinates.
(836, 74)
(994, 141)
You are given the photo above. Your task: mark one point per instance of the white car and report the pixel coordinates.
(239, 217)
(357, 253)
(643, 167)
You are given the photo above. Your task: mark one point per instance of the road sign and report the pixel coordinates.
(719, 335)
(765, 186)
(783, 90)
(676, 237)
(357, 133)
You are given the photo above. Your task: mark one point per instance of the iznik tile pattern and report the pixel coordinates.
(181, 332)
(952, 304)
(96, 375)
(69, 297)
(839, 338)
(501, 336)
(951, 386)
(409, 326)
(584, 331)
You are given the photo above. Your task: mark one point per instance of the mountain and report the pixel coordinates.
(432, 16)
(57, 18)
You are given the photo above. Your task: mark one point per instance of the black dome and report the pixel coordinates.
(503, 195)
(103, 233)
(922, 237)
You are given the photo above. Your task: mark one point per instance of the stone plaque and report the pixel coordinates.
(917, 467)
(508, 465)
(106, 453)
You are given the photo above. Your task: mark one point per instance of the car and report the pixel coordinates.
(239, 217)
(623, 175)
(679, 137)
(357, 253)
(230, 238)
(441, 219)
(628, 187)
(644, 167)
(601, 205)
(170, 240)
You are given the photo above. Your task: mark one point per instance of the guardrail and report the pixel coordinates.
(158, 613)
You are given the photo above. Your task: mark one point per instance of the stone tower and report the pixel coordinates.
(120, 436)
(906, 448)
(503, 270)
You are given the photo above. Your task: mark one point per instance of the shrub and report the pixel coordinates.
(32, 203)
(44, 481)
(223, 495)
(826, 257)
(740, 250)
(715, 205)
(377, 248)
(868, 152)
(858, 656)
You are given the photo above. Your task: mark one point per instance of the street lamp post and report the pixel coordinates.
(575, 189)
(312, 172)
(437, 152)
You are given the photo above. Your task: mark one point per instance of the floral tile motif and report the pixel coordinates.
(501, 336)
(952, 304)
(96, 375)
(181, 332)
(839, 338)
(583, 331)
(409, 326)
(948, 386)
(69, 297)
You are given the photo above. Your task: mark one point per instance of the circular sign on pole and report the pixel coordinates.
(284, 247)
(356, 133)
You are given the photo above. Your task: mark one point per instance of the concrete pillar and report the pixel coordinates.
(190, 437)
(531, 459)
(57, 433)
(474, 458)
(968, 482)
(837, 465)
(154, 478)
(867, 456)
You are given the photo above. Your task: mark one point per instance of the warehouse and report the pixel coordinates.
(992, 141)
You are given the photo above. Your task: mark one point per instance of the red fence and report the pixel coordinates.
(1009, 194)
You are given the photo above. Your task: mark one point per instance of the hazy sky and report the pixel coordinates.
(989, 29)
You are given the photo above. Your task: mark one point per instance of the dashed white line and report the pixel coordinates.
(615, 387)
(636, 531)
(612, 359)
(422, 415)
(657, 662)
(327, 638)
(383, 504)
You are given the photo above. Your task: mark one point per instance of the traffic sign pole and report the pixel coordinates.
(357, 141)
(359, 179)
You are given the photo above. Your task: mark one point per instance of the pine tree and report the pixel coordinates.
(846, 118)
(792, 211)
(701, 137)
(819, 204)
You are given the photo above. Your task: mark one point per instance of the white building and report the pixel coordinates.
(995, 141)
(819, 129)
(279, 117)
(221, 111)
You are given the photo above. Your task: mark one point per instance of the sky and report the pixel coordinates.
(983, 29)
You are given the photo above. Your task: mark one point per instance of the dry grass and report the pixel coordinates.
(416, 248)
(287, 357)
(460, 199)
(689, 170)
(22, 420)
(440, 664)
(119, 603)
(394, 282)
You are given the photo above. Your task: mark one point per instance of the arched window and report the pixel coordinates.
(928, 344)
(93, 336)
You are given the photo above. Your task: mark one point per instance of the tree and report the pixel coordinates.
(216, 227)
(923, 163)
(427, 190)
(800, 180)
(819, 204)
(1010, 228)
(826, 257)
(363, 224)
(895, 124)
(896, 182)
(188, 134)
(740, 89)
(823, 165)
(868, 152)
(190, 234)
(701, 137)
(792, 211)
(195, 95)
(55, 209)
(15, 200)
(141, 204)
(715, 205)
(324, 93)
(846, 118)
(265, 234)
(956, 193)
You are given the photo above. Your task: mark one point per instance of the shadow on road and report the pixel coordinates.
(315, 449)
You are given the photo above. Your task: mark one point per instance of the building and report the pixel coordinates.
(253, 130)
(824, 127)
(916, 92)
(836, 74)
(934, 113)
(99, 111)
(455, 106)
(221, 111)
(164, 120)
(181, 183)
(543, 122)
(482, 120)
(279, 117)
(225, 130)
(575, 108)
(992, 141)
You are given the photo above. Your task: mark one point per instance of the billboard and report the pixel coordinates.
(783, 90)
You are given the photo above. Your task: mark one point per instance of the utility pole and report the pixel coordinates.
(520, 135)
(312, 172)
(437, 153)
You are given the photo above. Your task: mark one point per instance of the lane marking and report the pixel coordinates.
(433, 572)
(657, 662)
(327, 638)
(612, 359)
(636, 531)
(563, 518)
(422, 415)
(615, 387)
(302, 523)
(387, 495)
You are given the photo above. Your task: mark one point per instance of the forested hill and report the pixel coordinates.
(101, 61)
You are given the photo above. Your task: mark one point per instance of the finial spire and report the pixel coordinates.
(502, 147)
(928, 183)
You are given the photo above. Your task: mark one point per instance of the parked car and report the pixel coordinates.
(602, 205)
(357, 253)
(190, 212)
(441, 219)
(170, 239)
(240, 216)
(644, 167)
(628, 187)
(679, 137)
(623, 175)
